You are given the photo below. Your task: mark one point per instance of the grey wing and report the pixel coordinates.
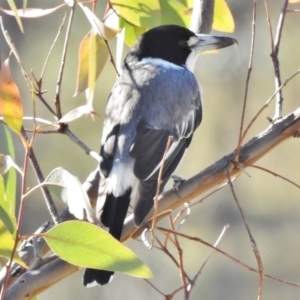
(116, 115)
(148, 150)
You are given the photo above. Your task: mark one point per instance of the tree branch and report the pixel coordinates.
(202, 18)
(25, 284)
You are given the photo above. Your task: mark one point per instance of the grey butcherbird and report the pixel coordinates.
(156, 96)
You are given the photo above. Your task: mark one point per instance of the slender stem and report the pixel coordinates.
(19, 220)
(180, 259)
(62, 65)
(269, 24)
(274, 55)
(40, 177)
(275, 174)
(52, 46)
(252, 240)
(237, 154)
(268, 102)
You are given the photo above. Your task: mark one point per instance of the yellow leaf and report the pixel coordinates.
(92, 57)
(10, 100)
(223, 20)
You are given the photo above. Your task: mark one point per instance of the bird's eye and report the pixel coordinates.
(182, 43)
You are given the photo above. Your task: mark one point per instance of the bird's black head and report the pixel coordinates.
(167, 42)
(176, 44)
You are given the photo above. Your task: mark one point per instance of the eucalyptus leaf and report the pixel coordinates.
(67, 187)
(86, 245)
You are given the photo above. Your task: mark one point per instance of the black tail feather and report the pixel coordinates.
(92, 277)
(113, 216)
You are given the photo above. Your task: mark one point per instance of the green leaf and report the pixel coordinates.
(7, 243)
(139, 12)
(15, 10)
(92, 51)
(86, 245)
(223, 20)
(8, 184)
(132, 32)
(174, 12)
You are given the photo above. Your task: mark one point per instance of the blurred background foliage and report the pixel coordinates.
(271, 205)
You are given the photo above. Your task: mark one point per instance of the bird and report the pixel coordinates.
(156, 96)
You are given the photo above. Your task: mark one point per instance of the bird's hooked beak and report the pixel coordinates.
(206, 42)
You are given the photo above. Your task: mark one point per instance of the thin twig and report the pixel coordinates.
(192, 284)
(167, 252)
(13, 49)
(39, 94)
(237, 154)
(199, 240)
(275, 174)
(269, 24)
(252, 240)
(51, 48)
(274, 55)
(171, 296)
(111, 58)
(154, 287)
(67, 132)
(40, 178)
(187, 210)
(159, 180)
(62, 65)
(81, 144)
(268, 102)
(27, 146)
(180, 259)
(209, 194)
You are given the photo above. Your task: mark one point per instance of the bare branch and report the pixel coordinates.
(62, 65)
(274, 55)
(40, 178)
(51, 48)
(203, 14)
(236, 158)
(252, 240)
